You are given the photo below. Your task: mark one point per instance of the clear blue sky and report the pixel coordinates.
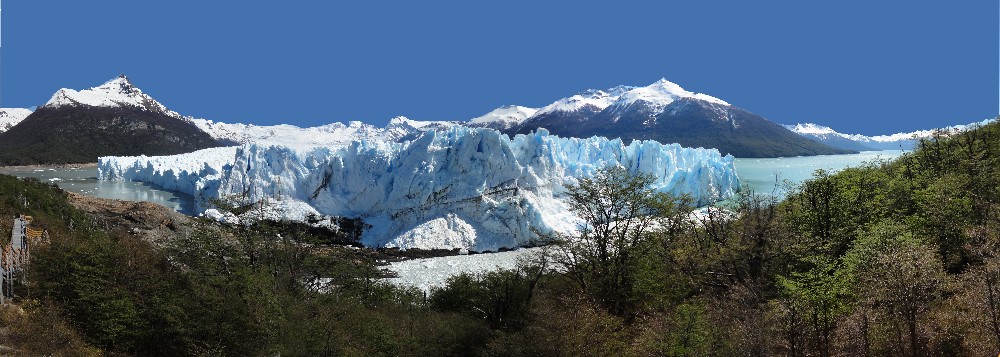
(870, 67)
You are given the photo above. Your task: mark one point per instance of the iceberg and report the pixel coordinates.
(456, 187)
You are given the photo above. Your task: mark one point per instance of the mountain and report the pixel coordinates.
(329, 134)
(403, 129)
(665, 112)
(11, 116)
(115, 118)
(831, 137)
(828, 136)
(334, 134)
(565, 115)
(502, 118)
(898, 141)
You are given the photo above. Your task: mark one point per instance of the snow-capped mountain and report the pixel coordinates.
(898, 141)
(334, 134)
(458, 187)
(330, 134)
(655, 97)
(592, 100)
(502, 118)
(662, 111)
(666, 112)
(652, 99)
(118, 92)
(403, 129)
(115, 118)
(11, 116)
(830, 137)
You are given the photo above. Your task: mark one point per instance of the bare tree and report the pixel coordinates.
(619, 212)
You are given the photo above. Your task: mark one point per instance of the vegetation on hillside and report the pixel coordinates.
(893, 258)
(81, 134)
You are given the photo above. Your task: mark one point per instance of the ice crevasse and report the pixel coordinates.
(460, 187)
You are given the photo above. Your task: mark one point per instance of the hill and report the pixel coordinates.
(115, 118)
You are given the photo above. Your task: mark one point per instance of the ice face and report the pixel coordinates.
(458, 187)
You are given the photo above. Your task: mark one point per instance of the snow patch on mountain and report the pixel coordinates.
(655, 97)
(891, 141)
(810, 128)
(502, 118)
(330, 134)
(651, 101)
(454, 187)
(661, 93)
(402, 128)
(118, 92)
(920, 134)
(11, 116)
(335, 134)
(593, 99)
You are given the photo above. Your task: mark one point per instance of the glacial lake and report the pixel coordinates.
(760, 174)
(83, 180)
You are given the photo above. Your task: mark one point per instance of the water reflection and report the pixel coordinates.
(84, 181)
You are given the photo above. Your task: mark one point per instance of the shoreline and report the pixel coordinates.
(89, 165)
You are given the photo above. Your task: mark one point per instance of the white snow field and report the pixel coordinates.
(428, 273)
(12, 116)
(451, 187)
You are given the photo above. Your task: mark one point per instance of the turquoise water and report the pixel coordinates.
(762, 175)
(84, 181)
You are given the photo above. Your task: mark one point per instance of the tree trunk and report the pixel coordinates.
(911, 320)
(991, 302)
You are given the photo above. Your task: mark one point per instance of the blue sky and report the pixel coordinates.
(870, 67)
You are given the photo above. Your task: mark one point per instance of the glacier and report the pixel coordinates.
(449, 188)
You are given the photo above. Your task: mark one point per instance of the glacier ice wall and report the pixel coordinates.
(453, 188)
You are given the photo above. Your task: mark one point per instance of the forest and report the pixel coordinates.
(897, 258)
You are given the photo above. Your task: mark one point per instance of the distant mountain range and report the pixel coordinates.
(665, 112)
(118, 119)
(898, 141)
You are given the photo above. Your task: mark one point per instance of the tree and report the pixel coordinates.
(619, 211)
(500, 297)
(812, 301)
(897, 275)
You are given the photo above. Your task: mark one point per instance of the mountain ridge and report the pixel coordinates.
(665, 112)
(898, 141)
(662, 111)
(115, 118)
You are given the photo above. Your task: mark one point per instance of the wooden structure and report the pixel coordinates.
(14, 254)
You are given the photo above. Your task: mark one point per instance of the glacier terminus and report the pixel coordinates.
(448, 188)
